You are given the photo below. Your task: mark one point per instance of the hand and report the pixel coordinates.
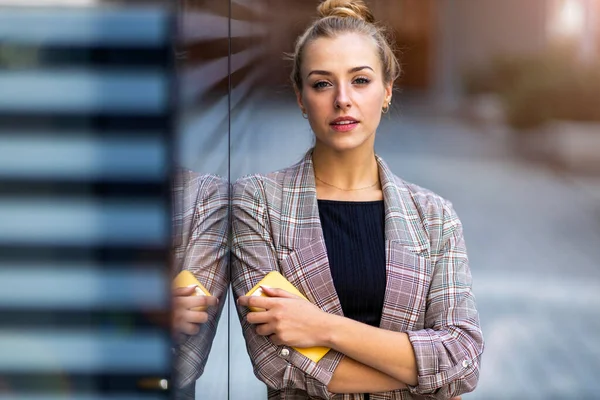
(287, 319)
(186, 321)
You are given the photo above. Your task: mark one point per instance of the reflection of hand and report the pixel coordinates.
(287, 319)
(185, 320)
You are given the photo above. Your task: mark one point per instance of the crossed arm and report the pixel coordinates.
(291, 321)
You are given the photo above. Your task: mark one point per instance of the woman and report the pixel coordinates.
(200, 227)
(382, 261)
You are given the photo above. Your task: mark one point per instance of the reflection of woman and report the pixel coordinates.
(382, 261)
(200, 245)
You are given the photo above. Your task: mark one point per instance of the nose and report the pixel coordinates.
(342, 99)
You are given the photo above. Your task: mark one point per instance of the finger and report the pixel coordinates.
(255, 301)
(258, 317)
(210, 300)
(182, 317)
(194, 317)
(184, 291)
(188, 302)
(188, 328)
(242, 301)
(264, 330)
(275, 292)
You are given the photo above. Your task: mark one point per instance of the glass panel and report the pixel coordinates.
(202, 194)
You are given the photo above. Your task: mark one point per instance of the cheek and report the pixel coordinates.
(374, 103)
(315, 104)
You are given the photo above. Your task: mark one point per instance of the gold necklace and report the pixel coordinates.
(346, 190)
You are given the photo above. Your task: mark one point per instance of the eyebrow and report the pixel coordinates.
(327, 73)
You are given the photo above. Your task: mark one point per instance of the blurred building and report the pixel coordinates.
(441, 40)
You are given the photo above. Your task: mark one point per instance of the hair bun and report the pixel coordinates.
(345, 9)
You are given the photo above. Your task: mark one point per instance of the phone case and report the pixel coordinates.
(275, 280)
(186, 278)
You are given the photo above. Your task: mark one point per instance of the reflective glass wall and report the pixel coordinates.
(202, 56)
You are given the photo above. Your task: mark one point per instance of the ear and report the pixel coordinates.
(299, 98)
(388, 92)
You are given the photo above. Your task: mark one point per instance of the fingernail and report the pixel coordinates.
(194, 286)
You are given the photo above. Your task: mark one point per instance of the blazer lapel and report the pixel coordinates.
(306, 265)
(407, 256)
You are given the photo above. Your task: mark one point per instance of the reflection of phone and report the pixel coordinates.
(186, 278)
(275, 280)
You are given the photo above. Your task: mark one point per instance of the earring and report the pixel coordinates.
(304, 115)
(384, 110)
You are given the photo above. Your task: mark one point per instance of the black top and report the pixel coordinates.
(355, 240)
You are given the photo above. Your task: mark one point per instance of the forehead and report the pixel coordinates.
(340, 53)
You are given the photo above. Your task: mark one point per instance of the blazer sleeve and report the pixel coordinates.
(253, 256)
(448, 351)
(205, 254)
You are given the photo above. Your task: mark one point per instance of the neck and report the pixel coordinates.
(348, 169)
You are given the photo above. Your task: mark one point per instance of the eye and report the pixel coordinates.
(320, 84)
(362, 80)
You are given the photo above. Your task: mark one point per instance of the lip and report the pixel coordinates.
(353, 123)
(341, 119)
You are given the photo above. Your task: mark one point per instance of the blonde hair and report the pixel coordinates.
(346, 16)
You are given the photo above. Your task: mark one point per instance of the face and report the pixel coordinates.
(343, 91)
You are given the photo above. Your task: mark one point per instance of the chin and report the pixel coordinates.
(342, 144)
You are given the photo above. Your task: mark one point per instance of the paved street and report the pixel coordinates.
(533, 240)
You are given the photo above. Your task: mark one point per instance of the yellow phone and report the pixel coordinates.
(186, 278)
(275, 280)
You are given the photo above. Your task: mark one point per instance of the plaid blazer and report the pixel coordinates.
(276, 226)
(200, 244)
